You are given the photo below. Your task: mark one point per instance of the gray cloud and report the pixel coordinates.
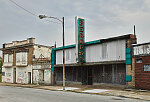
(104, 18)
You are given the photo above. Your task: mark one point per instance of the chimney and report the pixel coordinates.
(3, 45)
(31, 40)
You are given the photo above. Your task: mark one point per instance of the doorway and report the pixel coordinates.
(14, 76)
(90, 76)
(87, 76)
(29, 77)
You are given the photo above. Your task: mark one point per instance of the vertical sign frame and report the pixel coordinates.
(81, 41)
(76, 37)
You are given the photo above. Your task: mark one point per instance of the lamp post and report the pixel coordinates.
(62, 21)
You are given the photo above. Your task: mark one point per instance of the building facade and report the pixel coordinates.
(26, 62)
(107, 61)
(141, 64)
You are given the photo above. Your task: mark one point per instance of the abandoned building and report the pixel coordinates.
(26, 62)
(104, 61)
(141, 65)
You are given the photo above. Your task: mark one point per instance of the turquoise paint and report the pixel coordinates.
(128, 56)
(73, 46)
(128, 61)
(128, 78)
(66, 47)
(128, 50)
(81, 41)
(92, 42)
(53, 59)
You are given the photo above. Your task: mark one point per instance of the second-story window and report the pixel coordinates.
(8, 58)
(5, 58)
(104, 51)
(21, 58)
(68, 55)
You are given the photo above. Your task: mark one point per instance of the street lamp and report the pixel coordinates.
(62, 21)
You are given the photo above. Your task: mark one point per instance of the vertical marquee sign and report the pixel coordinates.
(80, 39)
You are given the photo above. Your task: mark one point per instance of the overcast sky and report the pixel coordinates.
(103, 19)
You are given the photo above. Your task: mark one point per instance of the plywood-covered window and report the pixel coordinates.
(8, 58)
(5, 57)
(104, 50)
(21, 58)
(146, 67)
(68, 55)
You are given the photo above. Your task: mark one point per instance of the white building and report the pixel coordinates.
(26, 62)
(106, 61)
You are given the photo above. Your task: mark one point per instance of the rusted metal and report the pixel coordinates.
(63, 57)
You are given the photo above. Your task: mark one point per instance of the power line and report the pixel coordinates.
(23, 8)
(29, 11)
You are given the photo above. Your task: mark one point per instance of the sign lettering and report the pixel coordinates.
(81, 39)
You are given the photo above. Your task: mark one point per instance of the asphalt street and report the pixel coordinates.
(19, 94)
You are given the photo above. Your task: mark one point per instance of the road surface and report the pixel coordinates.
(19, 94)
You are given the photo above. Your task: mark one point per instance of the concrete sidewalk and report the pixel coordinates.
(136, 94)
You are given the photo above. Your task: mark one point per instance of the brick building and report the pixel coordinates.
(141, 64)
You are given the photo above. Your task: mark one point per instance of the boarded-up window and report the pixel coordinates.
(146, 67)
(68, 55)
(104, 51)
(22, 57)
(5, 57)
(8, 58)
(18, 59)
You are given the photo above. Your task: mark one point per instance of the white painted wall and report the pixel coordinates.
(113, 51)
(35, 76)
(47, 76)
(141, 50)
(8, 75)
(38, 71)
(109, 51)
(22, 74)
(22, 59)
(8, 60)
(45, 51)
(39, 74)
(69, 56)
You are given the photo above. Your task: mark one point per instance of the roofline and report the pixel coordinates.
(44, 45)
(127, 36)
(140, 44)
(24, 45)
(66, 47)
(14, 47)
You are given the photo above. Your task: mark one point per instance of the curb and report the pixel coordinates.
(39, 87)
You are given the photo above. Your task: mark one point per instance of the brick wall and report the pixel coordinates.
(131, 71)
(142, 78)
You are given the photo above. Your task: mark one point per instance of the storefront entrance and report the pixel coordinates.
(94, 74)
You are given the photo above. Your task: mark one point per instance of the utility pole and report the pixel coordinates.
(134, 30)
(63, 56)
(62, 21)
